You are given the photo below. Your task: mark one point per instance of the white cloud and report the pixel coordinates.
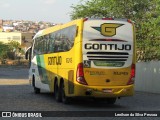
(49, 1)
(5, 5)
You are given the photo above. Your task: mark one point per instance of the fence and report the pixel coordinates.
(148, 77)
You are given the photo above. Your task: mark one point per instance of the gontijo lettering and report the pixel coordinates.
(56, 60)
(97, 46)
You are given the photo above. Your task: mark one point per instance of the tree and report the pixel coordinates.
(145, 14)
(3, 51)
(8, 50)
(14, 46)
(131, 9)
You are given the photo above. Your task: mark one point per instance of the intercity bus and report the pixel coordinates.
(88, 58)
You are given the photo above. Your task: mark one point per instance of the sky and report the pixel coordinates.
(55, 11)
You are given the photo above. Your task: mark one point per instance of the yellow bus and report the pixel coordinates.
(90, 58)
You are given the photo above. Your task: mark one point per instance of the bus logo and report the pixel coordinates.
(108, 29)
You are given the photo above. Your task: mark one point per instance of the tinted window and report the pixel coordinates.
(58, 41)
(66, 39)
(51, 42)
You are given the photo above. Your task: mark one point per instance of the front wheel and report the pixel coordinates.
(36, 90)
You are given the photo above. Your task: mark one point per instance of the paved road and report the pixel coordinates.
(17, 95)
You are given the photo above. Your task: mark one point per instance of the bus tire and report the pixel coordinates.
(36, 90)
(65, 99)
(57, 92)
(111, 101)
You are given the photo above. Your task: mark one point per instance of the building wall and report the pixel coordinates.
(25, 39)
(1, 23)
(9, 36)
(8, 28)
(148, 77)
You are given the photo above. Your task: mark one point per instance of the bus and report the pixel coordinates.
(87, 58)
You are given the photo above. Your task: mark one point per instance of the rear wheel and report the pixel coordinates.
(111, 100)
(57, 92)
(65, 99)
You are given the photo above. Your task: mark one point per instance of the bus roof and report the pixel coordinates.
(58, 27)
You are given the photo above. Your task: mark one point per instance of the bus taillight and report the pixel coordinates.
(132, 77)
(80, 74)
(129, 21)
(85, 19)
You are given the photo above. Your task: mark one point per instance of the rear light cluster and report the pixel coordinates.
(80, 74)
(107, 19)
(85, 19)
(129, 21)
(132, 76)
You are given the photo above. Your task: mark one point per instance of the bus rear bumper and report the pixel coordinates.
(103, 91)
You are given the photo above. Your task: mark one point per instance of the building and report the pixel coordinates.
(25, 39)
(8, 28)
(1, 24)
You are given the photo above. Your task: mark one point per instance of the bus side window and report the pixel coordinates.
(57, 41)
(66, 39)
(45, 44)
(51, 42)
(48, 43)
(36, 47)
(73, 34)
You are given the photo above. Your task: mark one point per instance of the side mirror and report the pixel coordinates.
(28, 53)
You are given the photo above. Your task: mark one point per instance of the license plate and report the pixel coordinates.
(107, 90)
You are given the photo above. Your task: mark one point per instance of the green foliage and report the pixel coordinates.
(3, 50)
(92, 8)
(148, 50)
(114, 8)
(14, 46)
(7, 49)
(145, 14)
